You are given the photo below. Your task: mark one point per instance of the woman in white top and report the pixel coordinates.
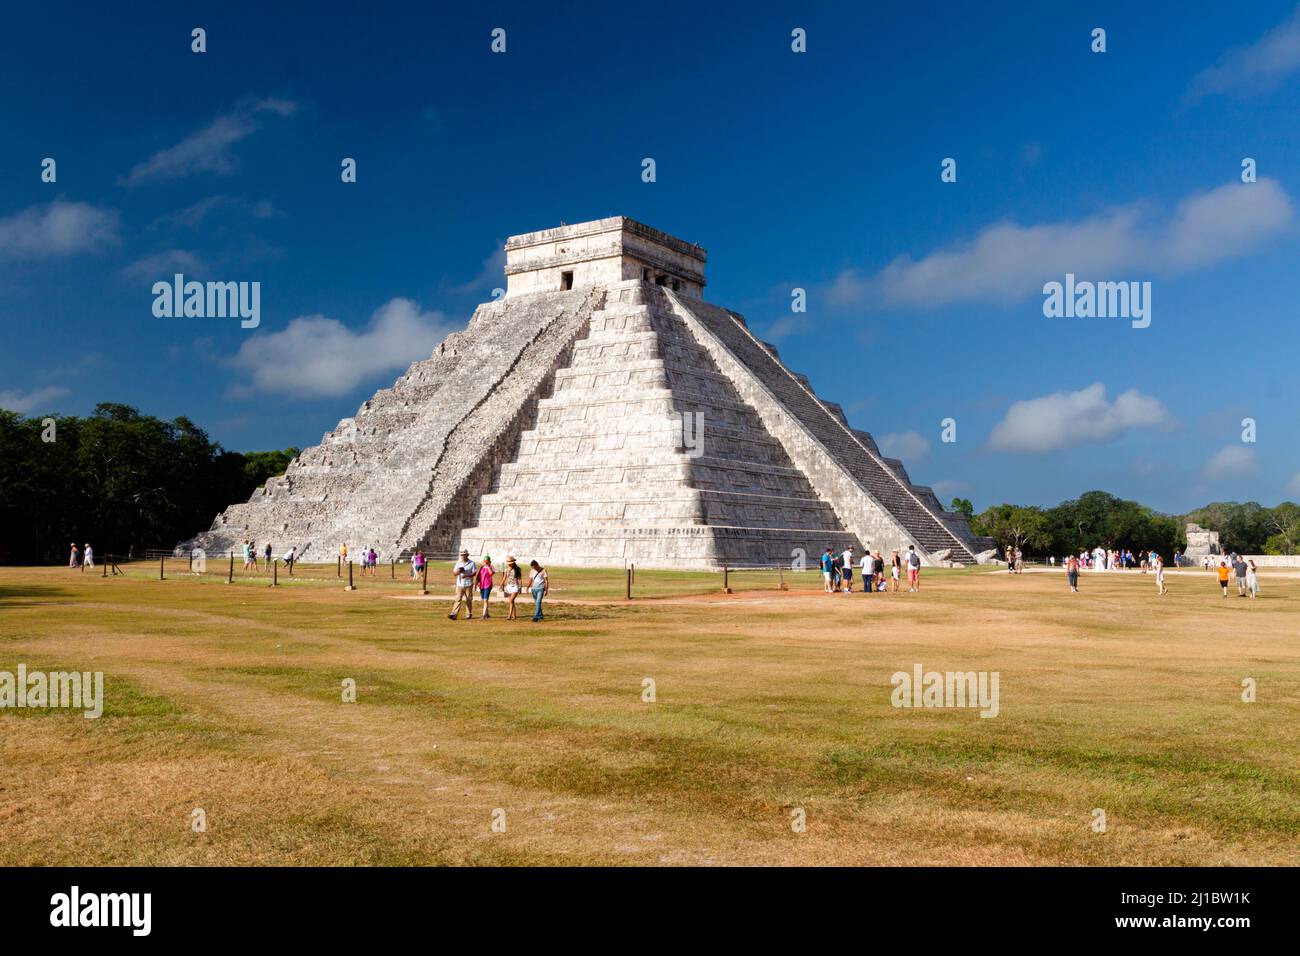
(539, 583)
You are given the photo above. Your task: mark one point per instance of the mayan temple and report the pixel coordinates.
(600, 412)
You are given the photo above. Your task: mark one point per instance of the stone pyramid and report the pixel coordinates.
(599, 413)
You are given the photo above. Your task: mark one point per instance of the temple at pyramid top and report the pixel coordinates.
(602, 252)
(600, 413)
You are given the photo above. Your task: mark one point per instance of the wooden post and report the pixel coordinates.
(780, 571)
(108, 559)
(424, 575)
(275, 571)
(191, 567)
(162, 575)
(392, 570)
(230, 578)
(338, 571)
(634, 572)
(350, 587)
(726, 579)
(291, 562)
(629, 584)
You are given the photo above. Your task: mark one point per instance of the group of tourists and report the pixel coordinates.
(250, 552)
(837, 570)
(1231, 566)
(1086, 560)
(1245, 572)
(1103, 559)
(369, 559)
(250, 555)
(483, 577)
(79, 557)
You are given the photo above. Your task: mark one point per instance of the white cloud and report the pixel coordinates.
(26, 402)
(1008, 262)
(59, 228)
(492, 275)
(1230, 461)
(162, 265)
(1066, 419)
(315, 356)
(208, 150)
(909, 446)
(781, 329)
(948, 487)
(1261, 66)
(196, 214)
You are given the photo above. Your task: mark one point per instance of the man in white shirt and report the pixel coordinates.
(464, 572)
(847, 558)
(868, 562)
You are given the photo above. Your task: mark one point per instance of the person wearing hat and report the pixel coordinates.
(464, 573)
(74, 560)
(511, 584)
(89, 554)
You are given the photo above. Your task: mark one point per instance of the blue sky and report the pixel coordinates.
(818, 170)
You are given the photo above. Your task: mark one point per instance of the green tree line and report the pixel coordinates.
(1098, 518)
(121, 480)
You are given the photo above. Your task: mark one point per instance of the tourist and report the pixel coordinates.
(374, 562)
(1252, 579)
(290, 556)
(1239, 567)
(252, 554)
(90, 555)
(895, 567)
(247, 553)
(343, 554)
(464, 575)
(828, 570)
(837, 572)
(1224, 574)
(868, 562)
(74, 560)
(1011, 560)
(269, 552)
(1072, 573)
(511, 585)
(913, 569)
(1160, 576)
(417, 565)
(540, 585)
(846, 559)
(878, 572)
(485, 573)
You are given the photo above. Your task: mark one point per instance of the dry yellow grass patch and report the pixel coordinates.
(228, 698)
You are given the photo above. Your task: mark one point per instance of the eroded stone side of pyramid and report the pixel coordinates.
(408, 468)
(609, 474)
(871, 495)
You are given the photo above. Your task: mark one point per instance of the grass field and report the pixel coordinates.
(228, 698)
